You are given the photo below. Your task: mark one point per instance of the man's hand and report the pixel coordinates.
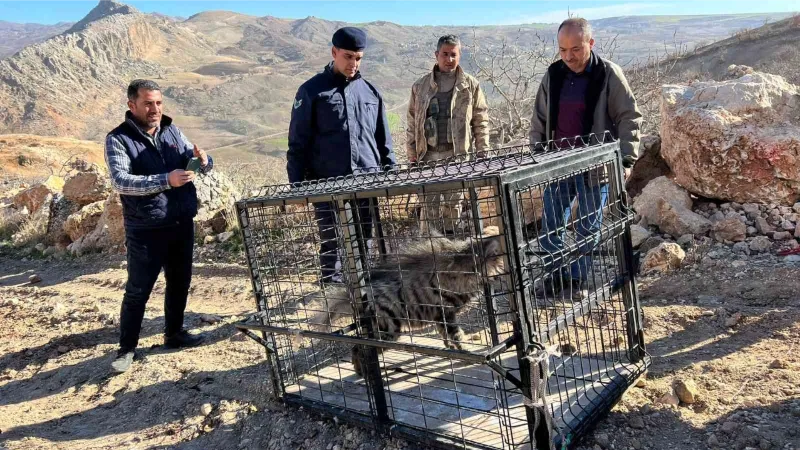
(202, 155)
(179, 177)
(628, 173)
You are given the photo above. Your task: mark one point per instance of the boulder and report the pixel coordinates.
(734, 140)
(109, 232)
(84, 221)
(33, 198)
(110, 227)
(678, 221)
(647, 203)
(730, 229)
(760, 244)
(83, 188)
(686, 390)
(215, 193)
(752, 210)
(664, 258)
(649, 166)
(781, 235)
(638, 235)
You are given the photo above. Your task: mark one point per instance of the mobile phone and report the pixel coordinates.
(194, 165)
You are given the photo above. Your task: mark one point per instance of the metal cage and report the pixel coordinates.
(482, 304)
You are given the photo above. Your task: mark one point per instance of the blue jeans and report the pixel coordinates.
(558, 199)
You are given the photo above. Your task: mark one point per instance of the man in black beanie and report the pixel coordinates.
(338, 126)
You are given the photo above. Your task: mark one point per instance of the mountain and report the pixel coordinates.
(15, 36)
(74, 84)
(103, 9)
(229, 79)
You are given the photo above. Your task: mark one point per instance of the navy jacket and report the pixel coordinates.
(337, 126)
(165, 208)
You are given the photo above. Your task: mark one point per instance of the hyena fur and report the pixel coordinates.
(431, 282)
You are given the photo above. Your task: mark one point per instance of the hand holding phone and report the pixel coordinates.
(194, 165)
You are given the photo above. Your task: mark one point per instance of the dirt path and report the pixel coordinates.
(57, 338)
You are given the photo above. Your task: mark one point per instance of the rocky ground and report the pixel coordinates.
(725, 332)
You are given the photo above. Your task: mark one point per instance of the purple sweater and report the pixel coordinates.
(572, 105)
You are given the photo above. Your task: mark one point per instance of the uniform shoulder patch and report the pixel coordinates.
(298, 102)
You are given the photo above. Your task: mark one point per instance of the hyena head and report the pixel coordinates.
(486, 252)
(491, 256)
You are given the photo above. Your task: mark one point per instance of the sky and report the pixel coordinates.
(437, 12)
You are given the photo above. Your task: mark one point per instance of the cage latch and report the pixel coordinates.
(539, 362)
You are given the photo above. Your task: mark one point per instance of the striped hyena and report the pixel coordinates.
(428, 284)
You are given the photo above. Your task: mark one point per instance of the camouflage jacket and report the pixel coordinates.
(468, 110)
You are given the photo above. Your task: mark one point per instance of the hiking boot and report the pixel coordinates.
(122, 362)
(182, 339)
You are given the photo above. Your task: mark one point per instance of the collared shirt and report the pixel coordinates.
(119, 165)
(572, 105)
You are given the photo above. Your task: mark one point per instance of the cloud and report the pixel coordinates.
(598, 12)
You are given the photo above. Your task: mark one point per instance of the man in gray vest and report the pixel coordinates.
(447, 118)
(147, 158)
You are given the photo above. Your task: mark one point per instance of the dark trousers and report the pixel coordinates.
(148, 252)
(325, 214)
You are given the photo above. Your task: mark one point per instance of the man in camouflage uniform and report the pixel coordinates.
(447, 118)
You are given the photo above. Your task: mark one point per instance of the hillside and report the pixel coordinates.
(771, 48)
(29, 158)
(229, 78)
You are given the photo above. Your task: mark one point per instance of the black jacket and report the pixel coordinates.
(337, 126)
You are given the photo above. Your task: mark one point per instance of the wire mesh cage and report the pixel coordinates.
(483, 304)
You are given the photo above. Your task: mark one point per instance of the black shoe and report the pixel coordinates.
(551, 286)
(182, 339)
(579, 290)
(122, 362)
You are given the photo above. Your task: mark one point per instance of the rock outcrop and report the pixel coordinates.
(735, 140)
(668, 206)
(87, 186)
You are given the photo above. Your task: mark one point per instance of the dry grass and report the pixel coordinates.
(31, 231)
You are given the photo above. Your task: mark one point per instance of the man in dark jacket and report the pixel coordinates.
(581, 94)
(146, 157)
(338, 126)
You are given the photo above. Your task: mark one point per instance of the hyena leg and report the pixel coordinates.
(356, 358)
(381, 327)
(452, 334)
